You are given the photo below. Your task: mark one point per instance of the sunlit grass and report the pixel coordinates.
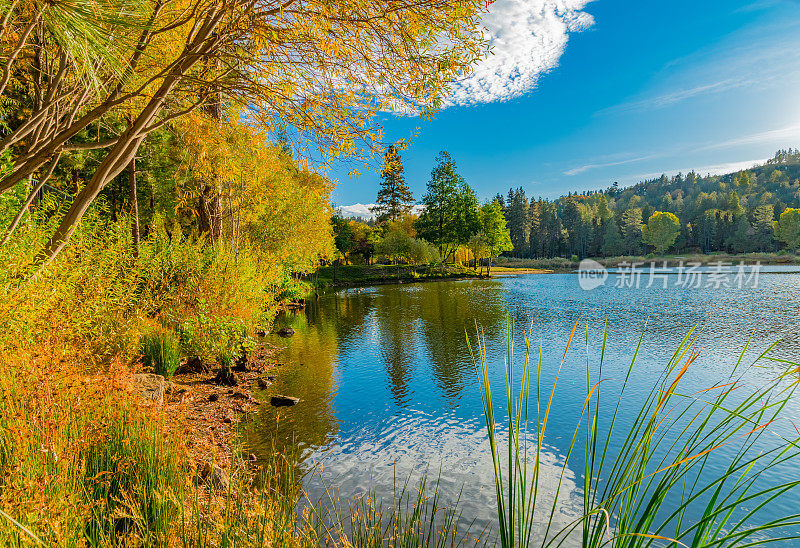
(647, 480)
(161, 351)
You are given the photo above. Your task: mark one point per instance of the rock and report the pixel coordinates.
(193, 365)
(216, 476)
(213, 397)
(283, 401)
(262, 384)
(285, 332)
(151, 386)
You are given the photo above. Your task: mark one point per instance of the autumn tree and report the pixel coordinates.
(479, 248)
(394, 197)
(322, 68)
(787, 228)
(661, 231)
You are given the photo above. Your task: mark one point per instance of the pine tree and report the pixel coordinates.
(436, 221)
(612, 239)
(394, 197)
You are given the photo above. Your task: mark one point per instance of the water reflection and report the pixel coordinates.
(388, 389)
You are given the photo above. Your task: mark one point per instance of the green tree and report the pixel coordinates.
(612, 240)
(450, 215)
(632, 229)
(495, 231)
(787, 228)
(342, 236)
(394, 197)
(518, 218)
(661, 231)
(578, 223)
(763, 217)
(466, 222)
(396, 244)
(438, 202)
(741, 240)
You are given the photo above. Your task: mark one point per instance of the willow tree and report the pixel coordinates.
(321, 68)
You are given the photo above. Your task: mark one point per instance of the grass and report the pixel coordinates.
(645, 481)
(413, 517)
(161, 351)
(131, 484)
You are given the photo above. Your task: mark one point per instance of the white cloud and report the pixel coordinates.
(677, 96)
(780, 136)
(363, 210)
(586, 167)
(527, 39)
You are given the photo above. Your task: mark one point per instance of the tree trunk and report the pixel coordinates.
(210, 214)
(134, 199)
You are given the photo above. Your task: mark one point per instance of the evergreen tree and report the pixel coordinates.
(450, 215)
(763, 217)
(632, 230)
(438, 204)
(394, 196)
(612, 240)
(741, 241)
(466, 222)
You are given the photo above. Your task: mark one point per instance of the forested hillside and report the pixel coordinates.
(732, 213)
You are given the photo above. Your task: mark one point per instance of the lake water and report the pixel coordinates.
(389, 390)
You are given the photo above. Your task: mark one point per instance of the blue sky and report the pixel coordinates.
(581, 94)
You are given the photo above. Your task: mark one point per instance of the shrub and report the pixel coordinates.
(161, 351)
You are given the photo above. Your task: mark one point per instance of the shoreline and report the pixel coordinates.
(562, 265)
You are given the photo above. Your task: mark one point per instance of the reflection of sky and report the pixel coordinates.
(389, 390)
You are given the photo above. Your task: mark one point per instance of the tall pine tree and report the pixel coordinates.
(394, 197)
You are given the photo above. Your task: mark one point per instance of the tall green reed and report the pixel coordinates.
(162, 352)
(413, 517)
(647, 479)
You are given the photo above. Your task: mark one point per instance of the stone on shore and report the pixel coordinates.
(283, 401)
(216, 476)
(151, 386)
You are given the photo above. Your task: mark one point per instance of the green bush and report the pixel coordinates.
(161, 351)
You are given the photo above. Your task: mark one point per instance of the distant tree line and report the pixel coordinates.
(749, 211)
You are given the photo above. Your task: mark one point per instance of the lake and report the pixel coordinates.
(389, 390)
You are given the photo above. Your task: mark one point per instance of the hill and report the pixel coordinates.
(730, 213)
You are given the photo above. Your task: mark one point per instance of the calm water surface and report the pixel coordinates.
(389, 390)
